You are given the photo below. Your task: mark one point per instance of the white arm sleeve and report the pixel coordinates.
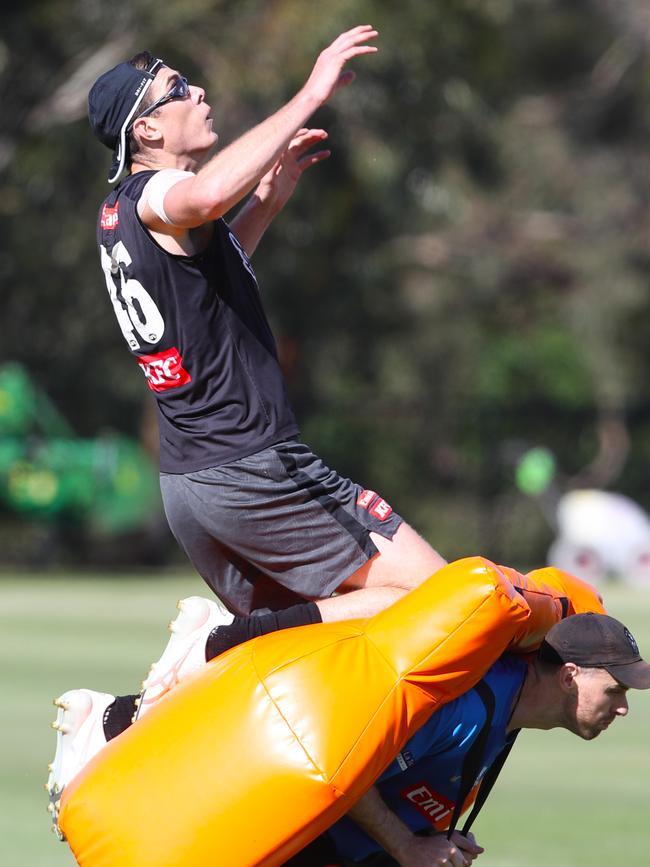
(157, 188)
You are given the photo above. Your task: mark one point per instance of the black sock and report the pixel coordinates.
(118, 715)
(242, 628)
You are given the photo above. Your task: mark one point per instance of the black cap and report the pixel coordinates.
(598, 641)
(113, 102)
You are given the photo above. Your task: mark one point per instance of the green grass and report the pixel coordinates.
(559, 802)
(56, 634)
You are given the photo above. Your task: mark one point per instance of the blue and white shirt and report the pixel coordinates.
(422, 784)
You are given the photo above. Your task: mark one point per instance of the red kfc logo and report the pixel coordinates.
(381, 510)
(109, 218)
(366, 498)
(164, 370)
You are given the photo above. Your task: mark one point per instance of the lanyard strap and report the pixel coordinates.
(474, 755)
(488, 782)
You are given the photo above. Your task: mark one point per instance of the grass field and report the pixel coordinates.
(560, 801)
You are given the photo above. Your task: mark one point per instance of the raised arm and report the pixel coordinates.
(230, 175)
(276, 187)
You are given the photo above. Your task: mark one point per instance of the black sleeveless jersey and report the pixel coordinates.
(200, 335)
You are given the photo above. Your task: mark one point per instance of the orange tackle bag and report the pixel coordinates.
(251, 758)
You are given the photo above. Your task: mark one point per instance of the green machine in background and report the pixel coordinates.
(105, 486)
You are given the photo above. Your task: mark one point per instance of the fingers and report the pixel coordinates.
(456, 858)
(296, 154)
(464, 850)
(350, 44)
(328, 76)
(305, 139)
(305, 134)
(360, 28)
(468, 844)
(357, 34)
(311, 159)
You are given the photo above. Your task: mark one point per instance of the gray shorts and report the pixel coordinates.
(275, 528)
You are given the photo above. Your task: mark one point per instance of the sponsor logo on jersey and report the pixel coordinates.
(164, 370)
(109, 218)
(432, 805)
(377, 506)
(405, 759)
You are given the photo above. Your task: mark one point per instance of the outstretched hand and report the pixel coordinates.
(328, 74)
(244, 161)
(278, 184)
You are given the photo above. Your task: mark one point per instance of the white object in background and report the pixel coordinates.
(601, 537)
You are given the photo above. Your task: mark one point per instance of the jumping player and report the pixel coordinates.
(269, 527)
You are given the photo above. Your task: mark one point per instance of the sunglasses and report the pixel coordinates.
(179, 90)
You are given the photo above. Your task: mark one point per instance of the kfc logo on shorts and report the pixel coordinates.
(109, 218)
(377, 506)
(432, 805)
(381, 510)
(366, 498)
(164, 370)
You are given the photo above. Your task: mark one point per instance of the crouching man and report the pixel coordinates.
(578, 680)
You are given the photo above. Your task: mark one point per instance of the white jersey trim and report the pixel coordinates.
(155, 190)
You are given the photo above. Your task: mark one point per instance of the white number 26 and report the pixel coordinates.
(136, 310)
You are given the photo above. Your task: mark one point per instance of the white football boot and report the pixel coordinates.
(79, 727)
(185, 651)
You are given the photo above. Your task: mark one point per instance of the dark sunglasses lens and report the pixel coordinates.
(180, 90)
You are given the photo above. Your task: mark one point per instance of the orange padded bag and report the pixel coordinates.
(250, 759)
(552, 595)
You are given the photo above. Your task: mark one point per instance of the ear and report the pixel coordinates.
(147, 130)
(567, 676)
